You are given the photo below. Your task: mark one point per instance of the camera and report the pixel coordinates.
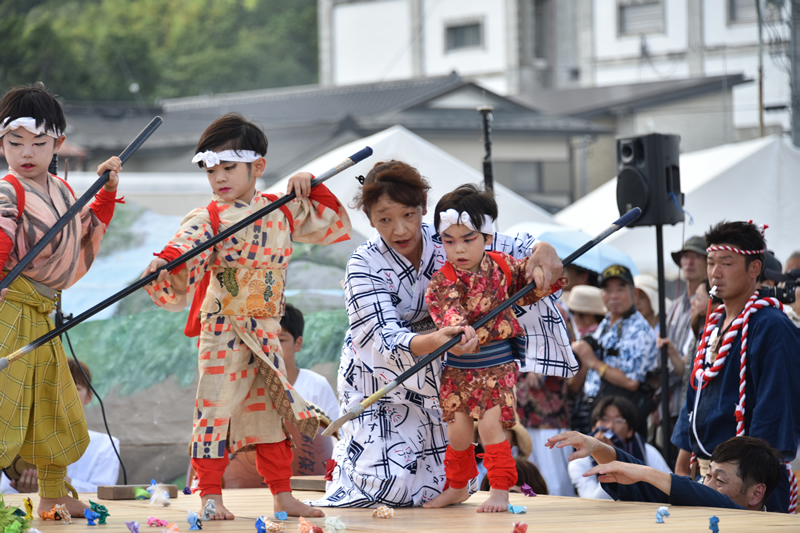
(784, 289)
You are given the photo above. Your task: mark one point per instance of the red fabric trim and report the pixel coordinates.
(449, 272)
(498, 258)
(209, 474)
(104, 204)
(274, 463)
(193, 325)
(284, 209)
(20, 194)
(65, 183)
(6, 245)
(460, 466)
(330, 465)
(325, 197)
(500, 465)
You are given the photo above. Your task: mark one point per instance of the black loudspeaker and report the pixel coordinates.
(649, 177)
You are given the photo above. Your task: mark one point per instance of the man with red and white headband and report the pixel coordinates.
(746, 374)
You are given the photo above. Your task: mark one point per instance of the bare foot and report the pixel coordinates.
(222, 512)
(448, 497)
(497, 502)
(284, 501)
(74, 507)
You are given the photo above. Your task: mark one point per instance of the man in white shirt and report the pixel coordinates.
(311, 386)
(97, 466)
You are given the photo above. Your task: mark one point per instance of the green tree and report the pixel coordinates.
(92, 50)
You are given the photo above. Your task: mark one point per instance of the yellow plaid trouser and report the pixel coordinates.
(41, 416)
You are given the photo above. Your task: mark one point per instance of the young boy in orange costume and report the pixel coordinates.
(243, 395)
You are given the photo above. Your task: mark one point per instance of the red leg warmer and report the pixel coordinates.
(209, 474)
(460, 466)
(274, 462)
(500, 466)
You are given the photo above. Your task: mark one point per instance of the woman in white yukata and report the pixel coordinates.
(393, 453)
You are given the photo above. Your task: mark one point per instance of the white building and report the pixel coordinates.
(521, 46)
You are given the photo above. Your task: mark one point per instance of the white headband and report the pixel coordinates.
(212, 159)
(29, 124)
(451, 217)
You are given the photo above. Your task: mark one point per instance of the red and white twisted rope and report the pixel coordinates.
(723, 247)
(703, 376)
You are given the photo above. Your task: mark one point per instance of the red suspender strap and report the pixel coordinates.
(284, 209)
(449, 272)
(498, 258)
(20, 193)
(65, 183)
(192, 328)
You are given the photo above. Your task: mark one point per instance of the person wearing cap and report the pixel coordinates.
(622, 350)
(646, 298)
(771, 276)
(692, 261)
(585, 303)
(745, 373)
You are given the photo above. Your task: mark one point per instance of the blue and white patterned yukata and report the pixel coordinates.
(636, 342)
(393, 454)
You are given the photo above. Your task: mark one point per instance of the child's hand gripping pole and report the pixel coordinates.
(195, 251)
(78, 205)
(332, 429)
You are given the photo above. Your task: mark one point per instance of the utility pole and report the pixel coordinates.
(794, 54)
(760, 13)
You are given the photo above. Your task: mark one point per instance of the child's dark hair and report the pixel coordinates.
(293, 322)
(77, 375)
(36, 102)
(743, 235)
(467, 199)
(399, 181)
(232, 132)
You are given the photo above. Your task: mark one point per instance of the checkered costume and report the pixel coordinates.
(243, 394)
(393, 454)
(41, 416)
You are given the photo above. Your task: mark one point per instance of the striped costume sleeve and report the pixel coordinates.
(176, 290)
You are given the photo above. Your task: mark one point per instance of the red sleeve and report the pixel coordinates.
(325, 197)
(104, 204)
(6, 245)
(169, 254)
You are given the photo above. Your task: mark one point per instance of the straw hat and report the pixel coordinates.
(649, 285)
(586, 299)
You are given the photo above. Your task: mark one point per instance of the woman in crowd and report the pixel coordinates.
(393, 454)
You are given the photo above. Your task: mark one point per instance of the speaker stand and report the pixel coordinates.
(662, 321)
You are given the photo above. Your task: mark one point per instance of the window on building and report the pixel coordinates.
(464, 36)
(520, 176)
(742, 11)
(640, 16)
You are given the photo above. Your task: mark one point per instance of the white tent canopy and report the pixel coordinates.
(755, 180)
(443, 171)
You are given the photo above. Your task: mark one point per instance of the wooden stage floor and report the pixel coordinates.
(545, 513)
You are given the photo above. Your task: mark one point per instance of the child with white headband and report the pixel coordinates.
(41, 415)
(477, 386)
(237, 298)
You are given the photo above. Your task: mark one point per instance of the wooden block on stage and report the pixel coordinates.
(126, 492)
(313, 483)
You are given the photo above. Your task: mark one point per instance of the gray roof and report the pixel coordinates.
(302, 122)
(590, 102)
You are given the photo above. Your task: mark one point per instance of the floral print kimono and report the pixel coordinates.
(393, 454)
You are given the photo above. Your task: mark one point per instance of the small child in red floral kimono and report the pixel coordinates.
(477, 386)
